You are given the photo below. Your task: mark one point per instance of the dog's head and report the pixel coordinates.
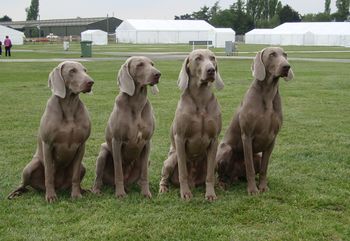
(138, 71)
(69, 76)
(201, 66)
(272, 61)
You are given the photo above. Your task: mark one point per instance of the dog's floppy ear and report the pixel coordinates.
(182, 82)
(125, 81)
(56, 82)
(290, 75)
(258, 67)
(219, 84)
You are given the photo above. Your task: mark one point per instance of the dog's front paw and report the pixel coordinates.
(147, 194)
(120, 193)
(163, 189)
(252, 190)
(186, 195)
(51, 197)
(76, 195)
(263, 187)
(96, 191)
(210, 197)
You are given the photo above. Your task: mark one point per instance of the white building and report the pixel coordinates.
(17, 37)
(145, 31)
(98, 37)
(303, 33)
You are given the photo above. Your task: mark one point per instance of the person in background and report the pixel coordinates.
(0, 48)
(8, 45)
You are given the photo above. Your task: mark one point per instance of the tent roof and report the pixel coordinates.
(91, 31)
(315, 27)
(224, 30)
(10, 31)
(166, 25)
(260, 31)
(304, 27)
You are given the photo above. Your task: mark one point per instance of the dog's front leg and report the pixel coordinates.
(249, 165)
(263, 168)
(210, 179)
(118, 168)
(49, 168)
(76, 188)
(182, 164)
(144, 171)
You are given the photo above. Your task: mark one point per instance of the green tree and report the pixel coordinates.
(241, 21)
(202, 14)
(327, 7)
(184, 17)
(279, 8)
(272, 8)
(288, 14)
(343, 9)
(319, 17)
(33, 10)
(5, 18)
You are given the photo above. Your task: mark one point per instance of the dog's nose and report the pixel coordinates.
(211, 71)
(157, 75)
(286, 68)
(89, 83)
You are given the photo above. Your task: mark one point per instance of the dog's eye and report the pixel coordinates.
(139, 65)
(212, 58)
(198, 58)
(72, 71)
(273, 54)
(285, 55)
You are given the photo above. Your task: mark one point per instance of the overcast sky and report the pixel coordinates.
(124, 9)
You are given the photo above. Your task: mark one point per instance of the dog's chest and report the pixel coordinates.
(266, 130)
(201, 124)
(68, 139)
(71, 132)
(139, 131)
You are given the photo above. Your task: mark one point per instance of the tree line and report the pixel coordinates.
(243, 16)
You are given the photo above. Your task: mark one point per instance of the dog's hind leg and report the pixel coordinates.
(32, 175)
(167, 170)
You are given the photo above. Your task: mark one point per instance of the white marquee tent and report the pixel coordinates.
(304, 33)
(222, 35)
(98, 37)
(148, 31)
(17, 37)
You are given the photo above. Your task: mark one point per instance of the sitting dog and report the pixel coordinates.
(123, 158)
(64, 129)
(248, 142)
(196, 127)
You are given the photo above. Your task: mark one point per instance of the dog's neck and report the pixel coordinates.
(200, 95)
(137, 102)
(268, 89)
(69, 105)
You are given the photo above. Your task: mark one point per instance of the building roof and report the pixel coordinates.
(53, 22)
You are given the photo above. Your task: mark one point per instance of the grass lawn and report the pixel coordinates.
(309, 172)
(55, 50)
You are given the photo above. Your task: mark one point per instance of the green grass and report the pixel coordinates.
(55, 50)
(308, 173)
